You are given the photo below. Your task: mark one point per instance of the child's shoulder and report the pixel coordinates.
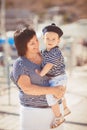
(56, 50)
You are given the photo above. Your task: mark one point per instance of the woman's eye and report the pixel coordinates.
(32, 43)
(36, 40)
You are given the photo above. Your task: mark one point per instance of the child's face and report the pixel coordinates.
(51, 39)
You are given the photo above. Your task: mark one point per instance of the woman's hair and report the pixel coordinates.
(21, 38)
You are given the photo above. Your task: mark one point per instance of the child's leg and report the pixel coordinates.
(56, 110)
(64, 102)
(53, 102)
(59, 119)
(66, 109)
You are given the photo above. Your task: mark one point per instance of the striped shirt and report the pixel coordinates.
(55, 57)
(23, 66)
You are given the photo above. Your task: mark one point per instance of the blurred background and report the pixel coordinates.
(71, 17)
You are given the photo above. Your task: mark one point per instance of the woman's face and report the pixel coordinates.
(33, 45)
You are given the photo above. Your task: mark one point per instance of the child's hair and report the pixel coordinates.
(52, 28)
(21, 38)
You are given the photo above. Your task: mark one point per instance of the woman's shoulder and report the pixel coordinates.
(21, 61)
(23, 65)
(18, 60)
(56, 50)
(19, 68)
(20, 65)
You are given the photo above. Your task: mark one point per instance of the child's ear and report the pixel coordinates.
(58, 39)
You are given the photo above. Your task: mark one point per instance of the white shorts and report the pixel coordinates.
(37, 119)
(55, 81)
(58, 80)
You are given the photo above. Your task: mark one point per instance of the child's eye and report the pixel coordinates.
(53, 39)
(47, 38)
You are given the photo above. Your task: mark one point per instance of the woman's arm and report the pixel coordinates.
(31, 89)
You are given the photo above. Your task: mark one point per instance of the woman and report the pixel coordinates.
(35, 113)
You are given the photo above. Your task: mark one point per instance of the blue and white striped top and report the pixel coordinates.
(55, 57)
(23, 66)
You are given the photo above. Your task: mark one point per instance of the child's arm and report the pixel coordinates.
(46, 69)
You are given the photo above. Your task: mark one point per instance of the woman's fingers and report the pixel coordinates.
(60, 92)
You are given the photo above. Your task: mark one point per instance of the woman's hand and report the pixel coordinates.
(59, 91)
